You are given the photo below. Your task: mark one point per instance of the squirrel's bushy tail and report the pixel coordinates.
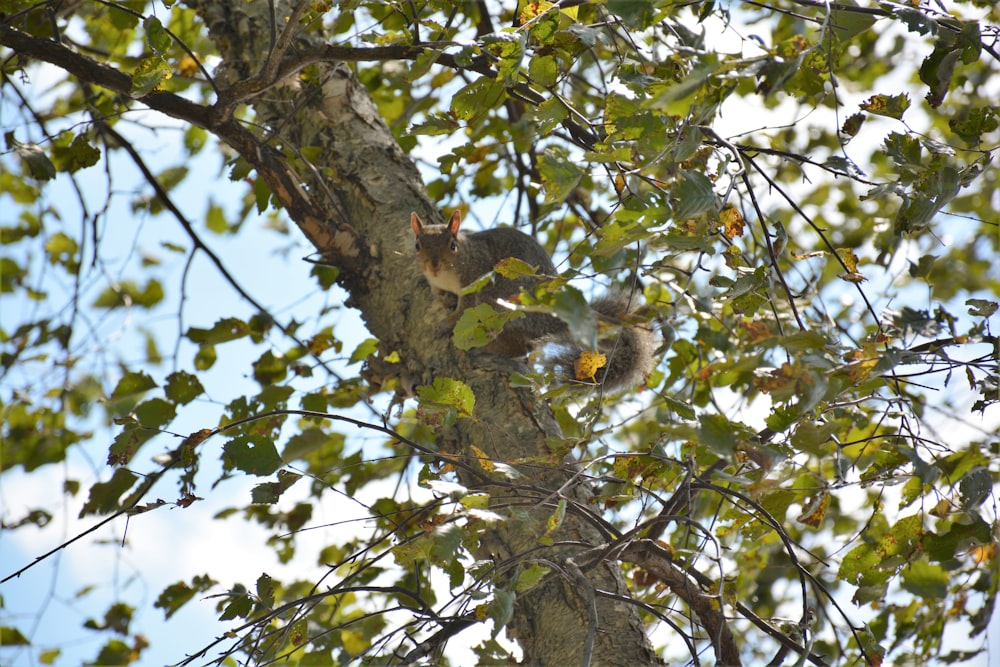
(628, 346)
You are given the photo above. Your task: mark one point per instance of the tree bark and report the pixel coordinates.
(353, 204)
(371, 190)
(368, 187)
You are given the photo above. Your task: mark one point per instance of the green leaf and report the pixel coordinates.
(128, 442)
(115, 651)
(974, 124)
(509, 50)
(48, 657)
(982, 307)
(175, 596)
(477, 98)
(937, 71)
(635, 15)
(571, 306)
(694, 195)
(446, 542)
(205, 357)
(554, 521)
(270, 368)
(225, 330)
(975, 487)
(915, 19)
(265, 590)
(79, 154)
(155, 413)
(543, 70)
(682, 409)
(239, 607)
(195, 139)
(849, 21)
(215, 219)
(149, 74)
(677, 98)
(12, 637)
(449, 393)
(183, 387)
(500, 609)
(253, 454)
(480, 325)
(117, 619)
(890, 106)
(104, 495)
(926, 580)
(435, 125)
(560, 175)
(11, 275)
(157, 38)
(876, 561)
(269, 492)
(959, 538)
(530, 577)
(132, 384)
(970, 41)
(922, 267)
(478, 285)
(124, 21)
(38, 164)
(717, 433)
(514, 268)
(128, 293)
(62, 250)
(262, 194)
(365, 349)
(302, 445)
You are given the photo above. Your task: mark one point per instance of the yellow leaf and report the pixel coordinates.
(484, 461)
(862, 370)
(619, 183)
(188, 66)
(814, 510)
(587, 364)
(849, 259)
(732, 221)
(984, 552)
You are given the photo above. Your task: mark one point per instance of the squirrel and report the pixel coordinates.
(451, 260)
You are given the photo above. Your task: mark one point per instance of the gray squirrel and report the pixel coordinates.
(451, 260)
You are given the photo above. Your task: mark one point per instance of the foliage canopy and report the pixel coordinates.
(801, 194)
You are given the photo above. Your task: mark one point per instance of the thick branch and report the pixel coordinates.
(91, 71)
(656, 561)
(341, 245)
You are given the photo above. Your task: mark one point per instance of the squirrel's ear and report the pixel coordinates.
(416, 223)
(455, 222)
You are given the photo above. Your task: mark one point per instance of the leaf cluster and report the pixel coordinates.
(831, 276)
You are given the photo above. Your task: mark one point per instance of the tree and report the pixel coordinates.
(807, 446)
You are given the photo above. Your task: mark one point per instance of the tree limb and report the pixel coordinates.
(340, 244)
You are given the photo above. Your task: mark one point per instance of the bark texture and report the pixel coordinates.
(367, 187)
(353, 204)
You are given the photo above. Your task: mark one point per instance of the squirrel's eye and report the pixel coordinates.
(454, 245)
(417, 246)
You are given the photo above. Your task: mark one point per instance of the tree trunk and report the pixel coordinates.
(369, 192)
(353, 204)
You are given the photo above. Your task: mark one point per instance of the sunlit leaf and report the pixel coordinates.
(559, 175)
(149, 74)
(157, 38)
